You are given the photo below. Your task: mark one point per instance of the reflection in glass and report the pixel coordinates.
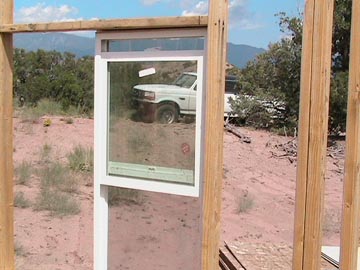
(153, 231)
(155, 44)
(150, 135)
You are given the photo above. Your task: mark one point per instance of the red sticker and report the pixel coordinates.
(185, 148)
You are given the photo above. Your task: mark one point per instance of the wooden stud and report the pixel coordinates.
(351, 198)
(304, 120)
(216, 59)
(6, 141)
(313, 128)
(116, 24)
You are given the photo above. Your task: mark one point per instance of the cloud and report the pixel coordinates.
(201, 8)
(42, 13)
(239, 14)
(150, 2)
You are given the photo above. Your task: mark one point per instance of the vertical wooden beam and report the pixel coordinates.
(313, 127)
(6, 141)
(351, 198)
(216, 60)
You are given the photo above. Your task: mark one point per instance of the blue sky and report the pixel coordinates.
(252, 22)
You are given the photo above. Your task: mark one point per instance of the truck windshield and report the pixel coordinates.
(185, 80)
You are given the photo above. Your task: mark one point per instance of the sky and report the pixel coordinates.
(252, 22)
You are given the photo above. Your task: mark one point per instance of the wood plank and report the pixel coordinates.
(225, 261)
(6, 141)
(213, 164)
(319, 111)
(351, 199)
(115, 24)
(315, 88)
(304, 120)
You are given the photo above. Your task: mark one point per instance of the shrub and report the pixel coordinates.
(19, 250)
(56, 182)
(244, 203)
(138, 142)
(69, 120)
(56, 176)
(29, 114)
(117, 196)
(47, 122)
(57, 203)
(81, 159)
(251, 111)
(48, 107)
(331, 222)
(20, 201)
(23, 173)
(45, 153)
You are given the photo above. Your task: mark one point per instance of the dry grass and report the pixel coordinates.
(57, 176)
(56, 185)
(57, 203)
(20, 201)
(81, 159)
(244, 203)
(118, 196)
(20, 250)
(23, 173)
(45, 154)
(331, 222)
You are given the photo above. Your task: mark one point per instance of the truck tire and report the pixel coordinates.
(167, 114)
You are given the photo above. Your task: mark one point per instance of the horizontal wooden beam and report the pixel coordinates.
(115, 24)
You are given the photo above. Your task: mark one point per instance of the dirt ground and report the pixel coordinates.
(156, 231)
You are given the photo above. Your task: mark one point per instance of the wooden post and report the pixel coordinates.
(313, 127)
(351, 198)
(216, 60)
(6, 141)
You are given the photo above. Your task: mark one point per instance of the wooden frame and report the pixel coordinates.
(6, 141)
(102, 178)
(313, 128)
(213, 174)
(315, 85)
(217, 31)
(117, 24)
(351, 205)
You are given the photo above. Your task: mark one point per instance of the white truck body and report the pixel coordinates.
(181, 94)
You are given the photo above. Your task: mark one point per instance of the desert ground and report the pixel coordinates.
(152, 230)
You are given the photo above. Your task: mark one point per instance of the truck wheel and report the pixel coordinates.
(167, 114)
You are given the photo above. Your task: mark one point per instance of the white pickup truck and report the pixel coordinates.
(165, 103)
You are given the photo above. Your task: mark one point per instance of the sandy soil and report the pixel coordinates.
(159, 230)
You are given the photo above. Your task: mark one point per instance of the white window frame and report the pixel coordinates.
(101, 178)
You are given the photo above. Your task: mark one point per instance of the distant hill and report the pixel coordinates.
(80, 46)
(238, 55)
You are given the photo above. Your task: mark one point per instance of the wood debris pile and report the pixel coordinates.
(236, 131)
(287, 150)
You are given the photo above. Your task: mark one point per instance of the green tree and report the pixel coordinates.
(59, 77)
(274, 76)
(341, 38)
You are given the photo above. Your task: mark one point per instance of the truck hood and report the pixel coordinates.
(158, 87)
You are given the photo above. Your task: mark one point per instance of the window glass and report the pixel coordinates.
(149, 132)
(231, 85)
(154, 44)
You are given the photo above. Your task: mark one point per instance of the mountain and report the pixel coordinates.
(238, 55)
(78, 45)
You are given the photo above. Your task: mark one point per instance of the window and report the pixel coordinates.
(149, 133)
